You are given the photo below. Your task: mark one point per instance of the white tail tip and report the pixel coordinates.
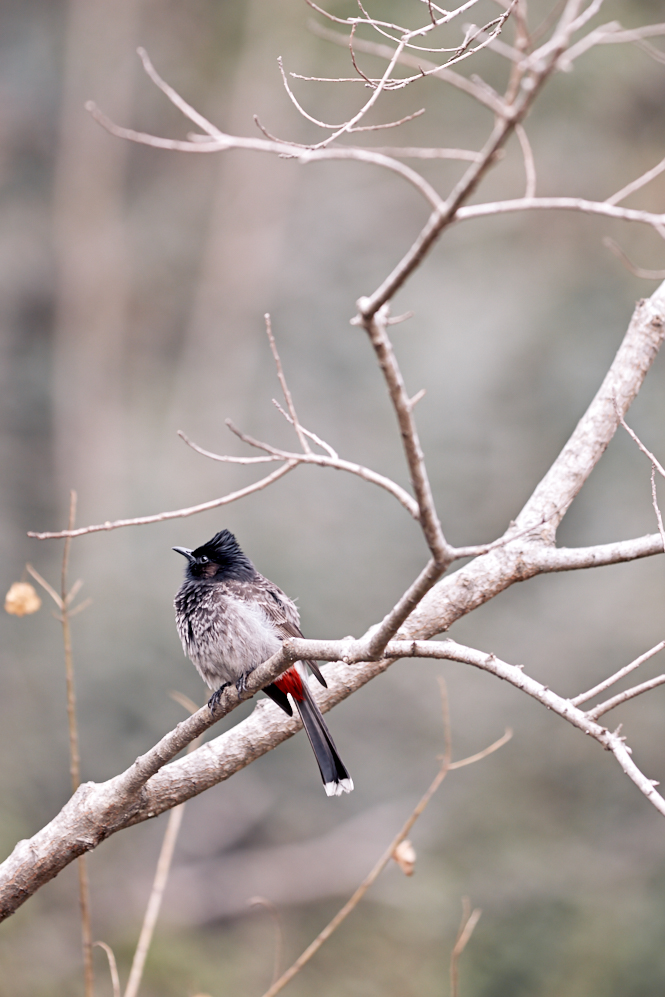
(337, 788)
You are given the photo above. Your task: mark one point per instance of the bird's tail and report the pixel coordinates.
(336, 779)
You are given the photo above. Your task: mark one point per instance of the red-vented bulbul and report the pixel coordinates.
(230, 619)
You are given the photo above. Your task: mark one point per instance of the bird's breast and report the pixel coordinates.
(225, 636)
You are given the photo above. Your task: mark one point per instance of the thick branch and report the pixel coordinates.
(478, 582)
(96, 811)
(597, 426)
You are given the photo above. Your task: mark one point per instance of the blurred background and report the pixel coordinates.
(133, 287)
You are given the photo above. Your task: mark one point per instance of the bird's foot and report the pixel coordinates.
(213, 702)
(241, 686)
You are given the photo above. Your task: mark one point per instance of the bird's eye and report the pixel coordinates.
(204, 559)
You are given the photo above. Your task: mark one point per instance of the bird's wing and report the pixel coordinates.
(280, 610)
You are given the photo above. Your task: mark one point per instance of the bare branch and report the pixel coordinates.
(471, 759)
(630, 188)
(388, 124)
(113, 967)
(657, 221)
(597, 426)
(529, 162)
(406, 59)
(312, 458)
(303, 154)
(353, 58)
(177, 100)
(312, 436)
(623, 697)
(411, 152)
(285, 388)
(442, 217)
(618, 675)
(380, 636)
(656, 509)
(637, 271)
(576, 558)
(298, 106)
(476, 583)
(633, 435)
(45, 585)
(611, 34)
(375, 326)
(160, 517)
(468, 923)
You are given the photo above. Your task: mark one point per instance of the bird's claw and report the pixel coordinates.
(213, 702)
(241, 686)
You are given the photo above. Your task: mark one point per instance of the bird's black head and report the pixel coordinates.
(219, 559)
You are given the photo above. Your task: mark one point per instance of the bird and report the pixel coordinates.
(230, 619)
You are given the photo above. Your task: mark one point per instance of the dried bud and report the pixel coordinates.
(405, 856)
(21, 600)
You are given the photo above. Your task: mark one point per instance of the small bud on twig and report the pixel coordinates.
(405, 856)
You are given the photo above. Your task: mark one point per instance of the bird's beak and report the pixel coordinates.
(185, 553)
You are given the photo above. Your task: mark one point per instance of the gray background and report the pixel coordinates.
(133, 284)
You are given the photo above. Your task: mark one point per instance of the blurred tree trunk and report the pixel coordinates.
(92, 280)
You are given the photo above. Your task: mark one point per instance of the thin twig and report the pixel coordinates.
(313, 458)
(637, 271)
(529, 162)
(375, 326)
(74, 752)
(45, 585)
(353, 58)
(388, 124)
(654, 501)
(160, 880)
(623, 697)
(414, 62)
(469, 921)
(160, 517)
(489, 750)
(630, 188)
(312, 436)
(175, 98)
(476, 550)
(654, 460)
(155, 900)
(652, 51)
(279, 933)
(280, 147)
(113, 967)
(452, 210)
(285, 388)
(606, 683)
(560, 204)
